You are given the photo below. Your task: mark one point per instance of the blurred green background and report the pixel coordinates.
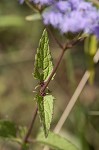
(18, 42)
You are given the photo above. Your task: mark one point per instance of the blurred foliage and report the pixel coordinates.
(55, 141)
(7, 129)
(18, 41)
(91, 46)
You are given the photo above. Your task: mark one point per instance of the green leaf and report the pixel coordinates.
(7, 129)
(43, 61)
(34, 17)
(56, 142)
(42, 69)
(45, 108)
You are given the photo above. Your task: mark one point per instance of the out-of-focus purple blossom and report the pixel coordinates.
(53, 17)
(63, 6)
(72, 16)
(75, 3)
(85, 6)
(72, 23)
(91, 20)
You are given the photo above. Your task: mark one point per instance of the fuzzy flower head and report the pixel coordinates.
(63, 6)
(52, 17)
(73, 16)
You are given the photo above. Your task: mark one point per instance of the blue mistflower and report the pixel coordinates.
(63, 6)
(53, 17)
(74, 3)
(70, 15)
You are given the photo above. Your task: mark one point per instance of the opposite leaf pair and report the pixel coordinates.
(42, 69)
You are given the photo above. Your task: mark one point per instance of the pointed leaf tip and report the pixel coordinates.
(43, 61)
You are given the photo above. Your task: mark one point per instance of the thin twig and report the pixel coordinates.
(53, 72)
(41, 92)
(30, 128)
(33, 7)
(42, 89)
(67, 46)
(31, 125)
(54, 38)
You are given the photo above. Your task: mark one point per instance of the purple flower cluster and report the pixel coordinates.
(70, 15)
(73, 16)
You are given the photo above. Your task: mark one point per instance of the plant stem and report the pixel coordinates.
(31, 125)
(54, 38)
(33, 7)
(53, 72)
(41, 91)
(43, 88)
(67, 46)
(30, 128)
